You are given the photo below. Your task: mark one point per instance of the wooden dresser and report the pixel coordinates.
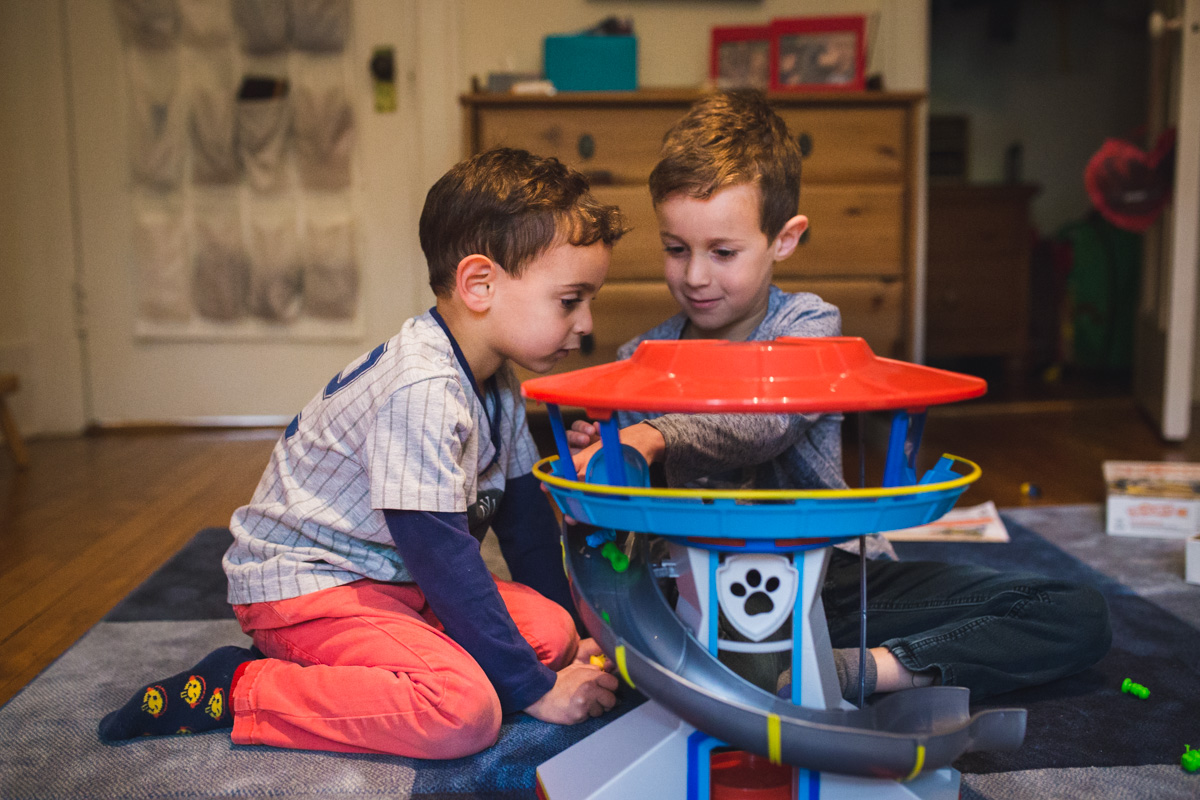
(857, 189)
(980, 243)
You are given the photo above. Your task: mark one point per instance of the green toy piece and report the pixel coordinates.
(1135, 689)
(619, 561)
(1190, 760)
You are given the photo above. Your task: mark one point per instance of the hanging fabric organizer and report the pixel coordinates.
(241, 132)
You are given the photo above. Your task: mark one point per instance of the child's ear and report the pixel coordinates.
(475, 282)
(789, 236)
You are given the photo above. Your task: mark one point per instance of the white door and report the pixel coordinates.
(259, 377)
(1164, 336)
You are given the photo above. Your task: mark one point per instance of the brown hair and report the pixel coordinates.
(727, 139)
(510, 206)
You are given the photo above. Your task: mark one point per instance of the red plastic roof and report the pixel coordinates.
(790, 375)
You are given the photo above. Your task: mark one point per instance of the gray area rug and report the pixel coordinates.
(1152, 568)
(60, 757)
(1086, 740)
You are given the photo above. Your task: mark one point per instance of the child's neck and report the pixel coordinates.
(467, 330)
(739, 331)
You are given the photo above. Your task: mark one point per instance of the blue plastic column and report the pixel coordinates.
(714, 604)
(560, 441)
(808, 784)
(798, 622)
(903, 444)
(614, 456)
(699, 765)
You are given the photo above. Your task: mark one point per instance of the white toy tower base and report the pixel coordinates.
(650, 754)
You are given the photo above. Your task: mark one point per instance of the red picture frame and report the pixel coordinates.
(741, 57)
(814, 54)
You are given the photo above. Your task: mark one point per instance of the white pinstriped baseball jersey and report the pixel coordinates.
(402, 427)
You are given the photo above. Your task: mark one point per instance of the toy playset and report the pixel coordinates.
(757, 559)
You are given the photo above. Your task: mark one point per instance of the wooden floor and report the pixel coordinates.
(94, 515)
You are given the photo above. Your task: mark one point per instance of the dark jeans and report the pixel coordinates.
(989, 631)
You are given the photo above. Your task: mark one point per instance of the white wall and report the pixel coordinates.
(37, 253)
(674, 35)
(60, 66)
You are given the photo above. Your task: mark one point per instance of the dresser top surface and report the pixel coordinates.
(685, 97)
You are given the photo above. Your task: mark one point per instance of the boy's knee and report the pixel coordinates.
(1081, 625)
(1090, 612)
(557, 639)
(467, 726)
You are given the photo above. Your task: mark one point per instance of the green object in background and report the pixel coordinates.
(1103, 290)
(1135, 689)
(1190, 760)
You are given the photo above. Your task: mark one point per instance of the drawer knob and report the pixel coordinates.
(586, 146)
(806, 143)
(804, 236)
(587, 344)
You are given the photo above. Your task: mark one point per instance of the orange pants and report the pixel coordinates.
(367, 668)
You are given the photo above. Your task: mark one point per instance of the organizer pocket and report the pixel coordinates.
(205, 22)
(157, 141)
(320, 26)
(263, 25)
(160, 257)
(330, 273)
(220, 279)
(147, 23)
(324, 128)
(276, 271)
(262, 131)
(213, 128)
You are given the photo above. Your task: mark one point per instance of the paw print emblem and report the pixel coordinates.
(757, 592)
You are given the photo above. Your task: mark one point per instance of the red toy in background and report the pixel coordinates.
(1128, 186)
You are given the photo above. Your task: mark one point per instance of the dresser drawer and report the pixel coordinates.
(619, 143)
(871, 309)
(854, 230)
(844, 144)
(851, 144)
(967, 222)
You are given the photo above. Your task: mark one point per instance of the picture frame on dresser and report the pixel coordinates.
(818, 54)
(740, 57)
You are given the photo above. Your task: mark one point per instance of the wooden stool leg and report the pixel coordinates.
(12, 436)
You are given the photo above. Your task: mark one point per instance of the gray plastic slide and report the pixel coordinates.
(895, 737)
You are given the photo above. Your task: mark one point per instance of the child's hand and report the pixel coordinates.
(644, 438)
(580, 691)
(590, 653)
(581, 434)
(582, 457)
(583, 440)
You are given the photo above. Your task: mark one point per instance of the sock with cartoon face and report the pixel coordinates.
(193, 701)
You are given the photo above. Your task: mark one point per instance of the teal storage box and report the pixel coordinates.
(591, 63)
